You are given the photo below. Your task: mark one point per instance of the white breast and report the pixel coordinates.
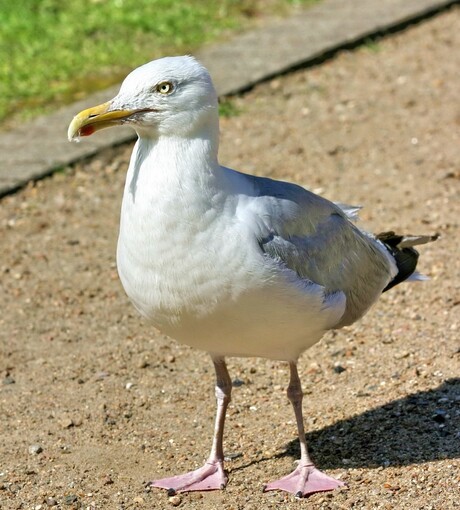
(201, 277)
(220, 298)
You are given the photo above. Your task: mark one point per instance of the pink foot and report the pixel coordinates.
(207, 478)
(304, 480)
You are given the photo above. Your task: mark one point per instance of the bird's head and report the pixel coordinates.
(169, 96)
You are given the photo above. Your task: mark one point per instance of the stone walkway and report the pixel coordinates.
(38, 148)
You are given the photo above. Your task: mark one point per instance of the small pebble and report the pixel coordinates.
(8, 380)
(100, 376)
(175, 500)
(439, 416)
(51, 502)
(66, 422)
(70, 499)
(338, 369)
(35, 449)
(402, 355)
(129, 385)
(107, 480)
(232, 456)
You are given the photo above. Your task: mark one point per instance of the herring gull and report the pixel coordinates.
(230, 263)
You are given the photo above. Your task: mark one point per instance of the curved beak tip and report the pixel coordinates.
(90, 120)
(73, 134)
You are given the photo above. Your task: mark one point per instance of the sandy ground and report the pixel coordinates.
(94, 403)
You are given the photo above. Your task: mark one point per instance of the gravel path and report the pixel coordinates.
(94, 403)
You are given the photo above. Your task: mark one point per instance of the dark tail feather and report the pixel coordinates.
(406, 257)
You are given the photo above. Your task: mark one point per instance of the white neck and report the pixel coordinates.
(173, 194)
(169, 165)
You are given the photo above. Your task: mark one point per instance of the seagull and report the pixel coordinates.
(231, 263)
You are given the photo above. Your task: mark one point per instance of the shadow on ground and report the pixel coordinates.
(419, 428)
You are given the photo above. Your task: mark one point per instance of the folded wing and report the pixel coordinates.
(313, 237)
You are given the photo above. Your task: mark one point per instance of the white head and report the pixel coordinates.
(172, 96)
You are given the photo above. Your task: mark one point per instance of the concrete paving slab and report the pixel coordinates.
(40, 147)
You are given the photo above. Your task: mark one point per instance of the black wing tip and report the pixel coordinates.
(405, 256)
(406, 261)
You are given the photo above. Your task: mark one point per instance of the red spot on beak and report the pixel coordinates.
(87, 130)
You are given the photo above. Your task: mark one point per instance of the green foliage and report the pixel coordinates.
(372, 45)
(52, 50)
(228, 108)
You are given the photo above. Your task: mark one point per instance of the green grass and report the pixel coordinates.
(56, 51)
(372, 45)
(227, 108)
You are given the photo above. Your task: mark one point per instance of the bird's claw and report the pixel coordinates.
(304, 480)
(211, 476)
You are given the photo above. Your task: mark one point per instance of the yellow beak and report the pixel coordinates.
(93, 119)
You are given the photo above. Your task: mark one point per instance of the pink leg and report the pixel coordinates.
(212, 475)
(305, 479)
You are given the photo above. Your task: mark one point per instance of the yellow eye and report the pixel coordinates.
(165, 87)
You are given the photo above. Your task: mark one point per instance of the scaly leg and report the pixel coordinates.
(212, 475)
(305, 479)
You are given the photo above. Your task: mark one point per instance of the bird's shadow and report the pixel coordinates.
(420, 427)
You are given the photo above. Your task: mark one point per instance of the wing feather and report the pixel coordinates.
(313, 237)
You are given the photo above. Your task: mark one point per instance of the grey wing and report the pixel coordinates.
(314, 238)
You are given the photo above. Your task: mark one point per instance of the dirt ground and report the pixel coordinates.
(94, 403)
